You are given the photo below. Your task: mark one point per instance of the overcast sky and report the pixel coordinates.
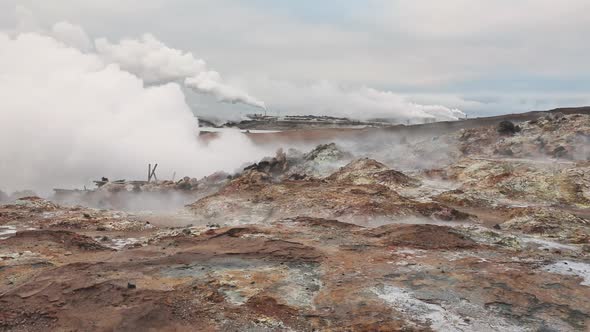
(483, 57)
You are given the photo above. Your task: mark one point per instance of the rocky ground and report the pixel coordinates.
(479, 229)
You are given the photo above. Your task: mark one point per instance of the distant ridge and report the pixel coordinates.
(315, 135)
(446, 126)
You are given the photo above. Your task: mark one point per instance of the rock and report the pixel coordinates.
(369, 171)
(273, 166)
(506, 151)
(559, 152)
(507, 128)
(318, 163)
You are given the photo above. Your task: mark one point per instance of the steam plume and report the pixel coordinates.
(364, 103)
(155, 62)
(72, 35)
(69, 117)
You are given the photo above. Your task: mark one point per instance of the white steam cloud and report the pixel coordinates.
(326, 98)
(155, 62)
(69, 117)
(72, 35)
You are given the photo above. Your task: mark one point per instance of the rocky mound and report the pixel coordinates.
(317, 163)
(421, 236)
(66, 239)
(369, 171)
(251, 179)
(319, 223)
(34, 204)
(322, 199)
(488, 181)
(553, 136)
(549, 222)
(38, 213)
(245, 242)
(295, 165)
(360, 191)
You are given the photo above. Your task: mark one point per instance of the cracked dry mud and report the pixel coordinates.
(327, 241)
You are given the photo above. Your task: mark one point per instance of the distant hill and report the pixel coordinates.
(315, 134)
